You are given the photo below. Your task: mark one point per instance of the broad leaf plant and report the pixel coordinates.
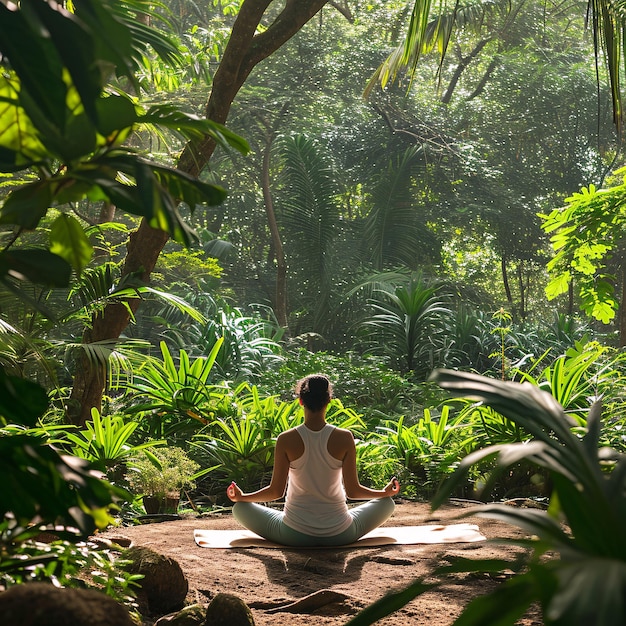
(63, 128)
(576, 560)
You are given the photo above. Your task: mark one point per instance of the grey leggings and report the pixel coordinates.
(268, 523)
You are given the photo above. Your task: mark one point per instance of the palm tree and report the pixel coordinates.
(404, 324)
(393, 232)
(308, 202)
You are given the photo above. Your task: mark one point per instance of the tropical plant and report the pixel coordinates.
(502, 331)
(176, 400)
(47, 487)
(70, 564)
(43, 485)
(403, 325)
(426, 451)
(249, 345)
(586, 233)
(68, 125)
(310, 216)
(394, 233)
(242, 445)
(584, 371)
(241, 450)
(107, 442)
(47, 490)
(565, 331)
(468, 341)
(576, 563)
(162, 473)
(45, 345)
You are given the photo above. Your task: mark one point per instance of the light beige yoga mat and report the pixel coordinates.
(399, 535)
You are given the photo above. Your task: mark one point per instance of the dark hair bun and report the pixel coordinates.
(318, 384)
(315, 391)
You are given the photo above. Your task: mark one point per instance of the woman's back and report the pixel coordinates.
(316, 500)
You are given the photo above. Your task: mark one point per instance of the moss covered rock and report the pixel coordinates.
(164, 585)
(41, 604)
(228, 610)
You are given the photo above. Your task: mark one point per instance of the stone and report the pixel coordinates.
(192, 615)
(42, 604)
(228, 610)
(163, 586)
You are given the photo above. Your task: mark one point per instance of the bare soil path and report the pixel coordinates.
(348, 580)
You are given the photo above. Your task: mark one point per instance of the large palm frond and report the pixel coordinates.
(606, 17)
(608, 22)
(393, 234)
(310, 214)
(426, 34)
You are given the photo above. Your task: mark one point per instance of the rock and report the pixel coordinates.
(41, 604)
(192, 615)
(228, 610)
(312, 602)
(163, 586)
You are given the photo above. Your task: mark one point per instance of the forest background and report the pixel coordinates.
(370, 228)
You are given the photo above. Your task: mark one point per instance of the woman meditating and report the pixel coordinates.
(316, 463)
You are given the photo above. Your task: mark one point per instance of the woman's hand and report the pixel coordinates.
(233, 492)
(392, 488)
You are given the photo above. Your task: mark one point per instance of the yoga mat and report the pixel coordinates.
(384, 536)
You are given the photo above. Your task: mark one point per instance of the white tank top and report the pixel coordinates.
(315, 503)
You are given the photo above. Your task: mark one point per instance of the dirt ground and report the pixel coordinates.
(268, 579)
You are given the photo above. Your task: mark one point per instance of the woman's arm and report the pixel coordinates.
(354, 489)
(278, 483)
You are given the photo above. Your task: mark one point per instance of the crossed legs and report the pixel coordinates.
(268, 523)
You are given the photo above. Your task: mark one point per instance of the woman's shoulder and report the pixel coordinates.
(291, 443)
(287, 435)
(342, 434)
(290, 437)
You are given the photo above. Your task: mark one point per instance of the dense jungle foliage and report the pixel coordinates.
(442, 238)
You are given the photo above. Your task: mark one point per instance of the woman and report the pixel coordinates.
(318, 461)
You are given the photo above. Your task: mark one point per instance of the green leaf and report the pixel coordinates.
(188, 189)
(36, 265)
(591, 591)
(193, 127)
(502, 607)
(115, 113)
(21, 401)
(26, 205)
(78, 140)
(112, 28)
(36, 64)
(18, 134)
(69, 241)
(12, 161)
(76, 48)
(103, 185)
(558, 285)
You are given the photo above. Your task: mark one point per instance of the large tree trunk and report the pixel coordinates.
(246, 48)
